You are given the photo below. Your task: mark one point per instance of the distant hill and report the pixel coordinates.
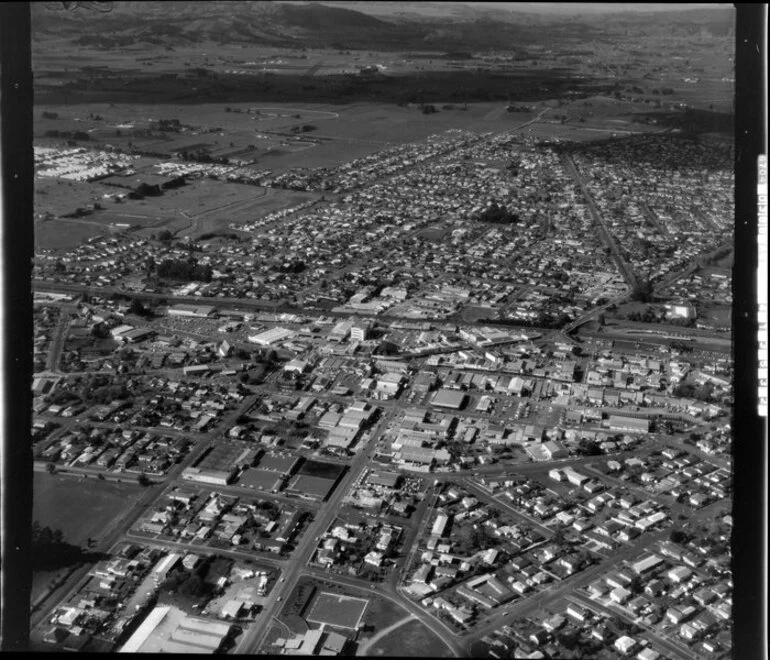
(355, 25)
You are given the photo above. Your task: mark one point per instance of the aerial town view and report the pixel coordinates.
(383, 329)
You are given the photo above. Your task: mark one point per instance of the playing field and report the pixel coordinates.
(337, 610)
(66, 235)
(81, 508)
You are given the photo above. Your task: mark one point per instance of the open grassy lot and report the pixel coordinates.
(67, 234)
(381, 613)
(341, 132)
(412, 640)
(200, 207)
(717, 315)
(337, 610)
(81, 508)
(60, 197)
(584, 132)
(473, 313)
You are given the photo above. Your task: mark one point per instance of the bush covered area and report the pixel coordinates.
(187, 271)
(497, 214)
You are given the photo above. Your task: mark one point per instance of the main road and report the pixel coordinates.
(254, 637)
(277, 307)
(623, 267)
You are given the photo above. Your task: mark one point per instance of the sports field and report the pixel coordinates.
(81, 508)
(337, 610)
(67, 234)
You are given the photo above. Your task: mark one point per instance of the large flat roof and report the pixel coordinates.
(278, 463)
(449, 399)
(260, 479)
(169, 629)
(315, 487)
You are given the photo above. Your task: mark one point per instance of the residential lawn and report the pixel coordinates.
(81, 508)
(412, 640)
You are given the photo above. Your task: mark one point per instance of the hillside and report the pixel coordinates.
(370, 26)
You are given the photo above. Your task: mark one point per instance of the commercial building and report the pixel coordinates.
(220, 463)
(448, 399)
(271, 336)
(192, 311)
(360, 331)
(629, 424)
(214, 477)
(646, 564)
(260, 480)
(168, 629)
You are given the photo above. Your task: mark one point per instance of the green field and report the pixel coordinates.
(200, 207)
(81, 508)
(382, 612)
(66, 234)
(474, 313)
(718, 315)
(411, 640)
(337, 610)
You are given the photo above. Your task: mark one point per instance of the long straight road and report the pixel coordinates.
(609, 241)
(276, 307)
(115, 531)
(59, 336)
(254, 637)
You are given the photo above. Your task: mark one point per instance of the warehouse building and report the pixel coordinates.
(448, 399)
(629, 424)
(192, 311)
(271, 336)
(168, 629)
(220, 463)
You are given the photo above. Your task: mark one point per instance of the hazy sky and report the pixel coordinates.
(593, 7)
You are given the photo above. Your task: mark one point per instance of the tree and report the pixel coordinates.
(137, 307)
(497, 214)
(143, 480)
(678, 536)
(642, 291)
(558, 537)
(100, 331)
(50, 468)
